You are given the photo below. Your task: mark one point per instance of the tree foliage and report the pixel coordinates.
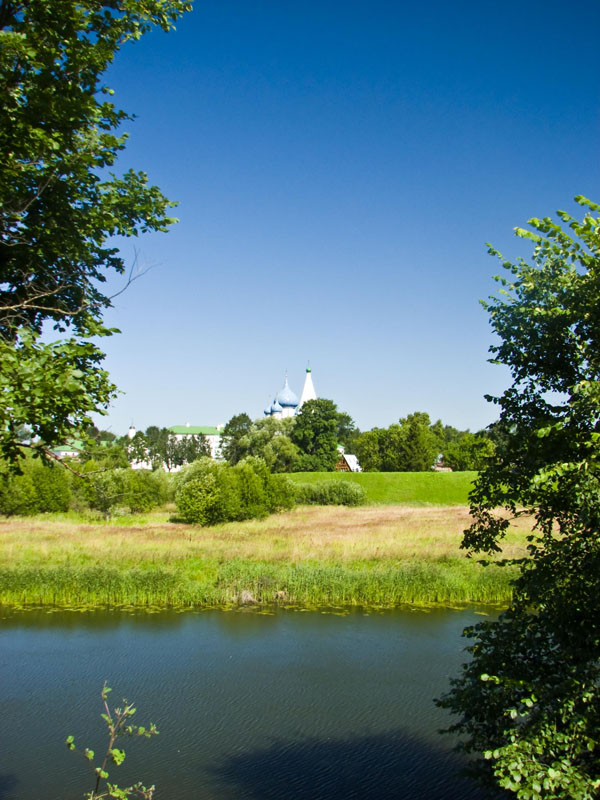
(529, 700)
(208, 493)
(315, 435)
(61, 206)
(161, 448)
(411, 445)
(471, 452)
(238, 427)
(347, 432)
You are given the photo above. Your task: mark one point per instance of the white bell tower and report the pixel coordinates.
(308, 390)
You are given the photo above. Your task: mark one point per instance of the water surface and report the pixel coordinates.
(298, 705)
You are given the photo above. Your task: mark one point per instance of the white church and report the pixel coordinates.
(286, 404)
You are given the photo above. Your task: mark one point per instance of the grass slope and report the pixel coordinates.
(311, 556)
(404, 488)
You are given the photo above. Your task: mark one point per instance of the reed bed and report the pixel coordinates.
(311, 556)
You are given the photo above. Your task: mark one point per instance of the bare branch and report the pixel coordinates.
(132, 277)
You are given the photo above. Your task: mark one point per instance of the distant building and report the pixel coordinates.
(286, 404)
(211, 433)
(72, 449)
(440, 466)
(347, 462)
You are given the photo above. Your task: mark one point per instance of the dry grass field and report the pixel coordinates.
(308, 555)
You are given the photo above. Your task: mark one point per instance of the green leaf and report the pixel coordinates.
(118, 756)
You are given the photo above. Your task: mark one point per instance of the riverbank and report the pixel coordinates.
(311, 556)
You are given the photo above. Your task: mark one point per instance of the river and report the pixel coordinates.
(285, 706)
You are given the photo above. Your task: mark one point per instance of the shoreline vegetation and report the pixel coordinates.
(312, 556)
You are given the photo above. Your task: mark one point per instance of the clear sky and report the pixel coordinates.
(339, 167)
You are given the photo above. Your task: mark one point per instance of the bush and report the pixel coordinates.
(39, 489)
(278, 491)
(330, 493)
(52, 487)
(209, 493)
(146, 489)
(281, 493)
(17, 496)
(126, 489)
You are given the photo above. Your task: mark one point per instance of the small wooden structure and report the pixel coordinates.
(347, 463)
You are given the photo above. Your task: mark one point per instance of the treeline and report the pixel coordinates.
(309, 442)
(414, 444)
(159, 447)
(205, 492)
(105, 489)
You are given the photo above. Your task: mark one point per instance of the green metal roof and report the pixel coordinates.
(195, 430)
(68, 448)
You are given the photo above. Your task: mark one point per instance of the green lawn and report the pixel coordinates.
(404, 488)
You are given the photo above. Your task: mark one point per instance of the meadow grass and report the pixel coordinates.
(399, 488)
(310, 556)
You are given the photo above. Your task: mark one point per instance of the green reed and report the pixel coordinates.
(241, 582)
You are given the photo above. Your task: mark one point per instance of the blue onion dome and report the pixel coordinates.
(275, 407)
(286, 397)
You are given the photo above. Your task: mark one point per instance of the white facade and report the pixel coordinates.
(211, 433)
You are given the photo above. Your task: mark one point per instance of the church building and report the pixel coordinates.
(286, 404)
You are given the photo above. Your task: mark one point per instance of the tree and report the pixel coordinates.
(315, 434)
(470, 452)
(61, 206)
(367, 449)
(529, 700)
(408, 446)
(194, 447)
(161, 448)
(269, 439)
(138, 447)
(237, 427)
(392, 443)
(347, 432)
(420, 444)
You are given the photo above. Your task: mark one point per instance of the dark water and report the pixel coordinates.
(298, 705)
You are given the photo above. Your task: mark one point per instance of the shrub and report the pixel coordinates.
(197, 469)
(251, 486)
(209, 493)
(17, 495)
(146, 489)
(107, 490)
(52, 487)
(281, 493)
(40, 488)
(198, 499)
(277, 490)
(330, 493)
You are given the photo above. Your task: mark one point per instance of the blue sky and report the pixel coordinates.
(339, 168)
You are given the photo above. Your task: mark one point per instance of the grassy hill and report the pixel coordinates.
(404, 488)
